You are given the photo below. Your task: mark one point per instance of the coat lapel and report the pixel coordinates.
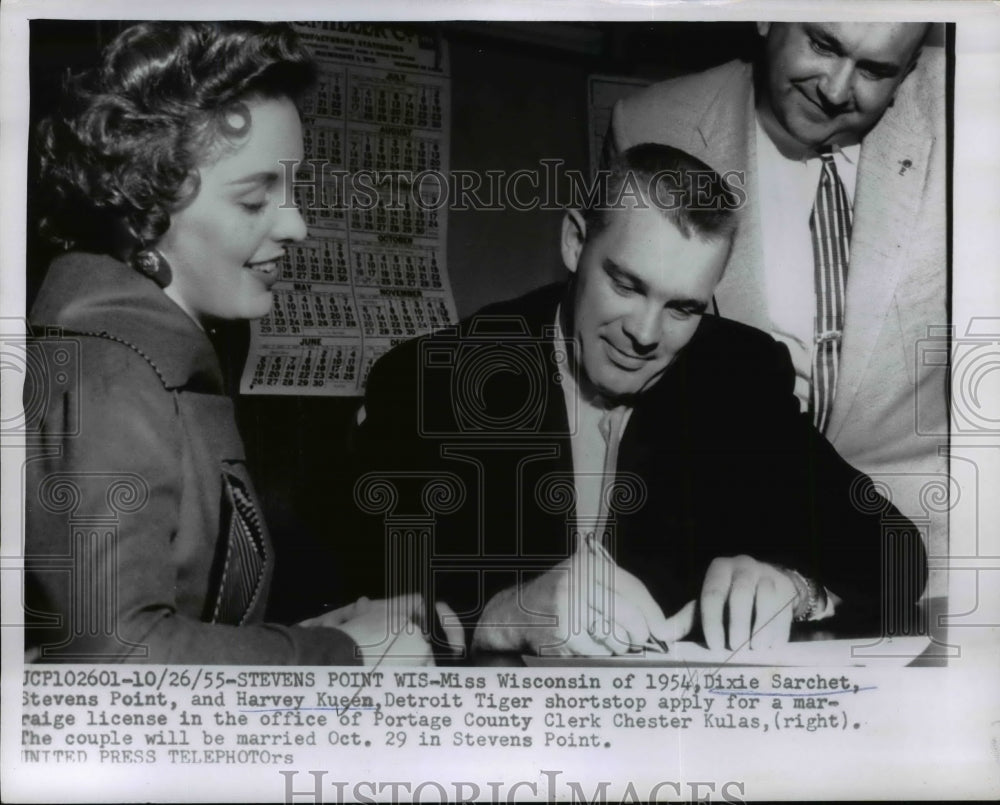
(728, 131)
(891, 175)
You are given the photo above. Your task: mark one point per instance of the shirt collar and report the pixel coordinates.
(567, 378)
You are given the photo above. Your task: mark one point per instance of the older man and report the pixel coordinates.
(838, 131)
(609, 415)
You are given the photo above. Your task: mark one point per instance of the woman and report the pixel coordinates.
(167, 178)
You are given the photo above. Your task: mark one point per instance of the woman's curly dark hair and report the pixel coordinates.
(121, 152)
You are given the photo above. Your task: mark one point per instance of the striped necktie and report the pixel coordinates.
(830, 224)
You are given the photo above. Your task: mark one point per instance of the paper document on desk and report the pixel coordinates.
(899, 651)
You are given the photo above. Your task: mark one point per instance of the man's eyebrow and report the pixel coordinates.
(883, 68)
(886, 68)
(266, 178)
(615, 271)
(684, 304)
(695, 306)
(827, 38)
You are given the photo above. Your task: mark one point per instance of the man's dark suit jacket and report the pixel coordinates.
(715, 461)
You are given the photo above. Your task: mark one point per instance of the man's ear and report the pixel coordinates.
(763, 28)
(574, 235)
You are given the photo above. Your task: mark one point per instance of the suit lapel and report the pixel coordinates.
(891, 175)
(728, 131)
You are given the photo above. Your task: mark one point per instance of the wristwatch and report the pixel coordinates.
(810, 597)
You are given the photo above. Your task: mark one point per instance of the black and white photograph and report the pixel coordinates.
(595, 402)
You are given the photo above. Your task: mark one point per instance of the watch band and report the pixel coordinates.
(810, 598)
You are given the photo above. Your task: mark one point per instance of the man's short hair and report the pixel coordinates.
(690, 194)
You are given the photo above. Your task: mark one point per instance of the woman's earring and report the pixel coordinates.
(152, 264)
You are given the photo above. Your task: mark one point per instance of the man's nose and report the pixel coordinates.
(643, 327)
(834, 86)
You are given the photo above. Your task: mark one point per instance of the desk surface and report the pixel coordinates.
(811, 645)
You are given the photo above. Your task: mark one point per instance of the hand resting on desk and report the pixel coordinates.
(760, 599)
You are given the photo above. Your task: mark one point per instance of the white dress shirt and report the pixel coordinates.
(787, 189)
(588, 443)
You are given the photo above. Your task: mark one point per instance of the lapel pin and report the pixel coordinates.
(905, 164)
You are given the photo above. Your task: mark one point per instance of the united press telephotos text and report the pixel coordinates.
(197, 715)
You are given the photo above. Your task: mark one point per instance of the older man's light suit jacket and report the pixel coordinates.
(890, 412)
